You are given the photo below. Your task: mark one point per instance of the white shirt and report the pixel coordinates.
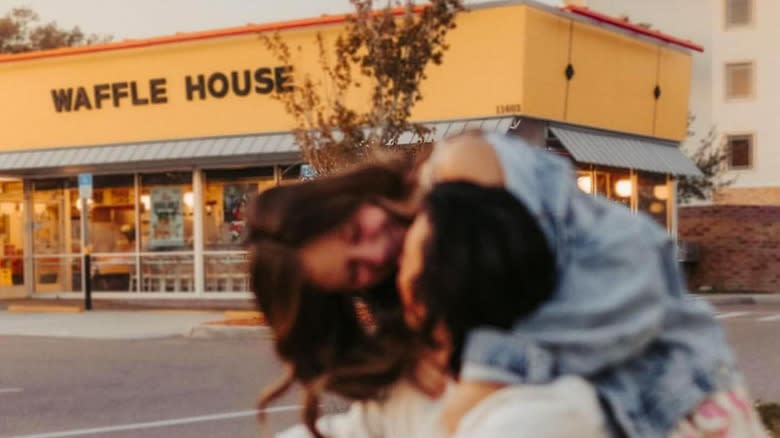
(567, 407)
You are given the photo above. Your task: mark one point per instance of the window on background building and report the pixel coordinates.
(739, 13)
(653, 196)
(740, 150)
(739, 80)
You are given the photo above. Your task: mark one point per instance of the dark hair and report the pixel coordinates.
(283, 219)
(318, 334)
(486, 261)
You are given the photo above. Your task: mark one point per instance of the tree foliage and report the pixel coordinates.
(711, 157)
(21, 31)
(386, 51)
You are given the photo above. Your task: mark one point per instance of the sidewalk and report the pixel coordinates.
(136, 304)
(122, 320)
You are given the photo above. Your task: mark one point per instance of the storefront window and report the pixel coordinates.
(166, 233)
(112, 232)
(654, 196)
(56, 235)
(167, 203)
(291, 173)
(227, 194)
(11, 236)
(585, 181)
(614, 184)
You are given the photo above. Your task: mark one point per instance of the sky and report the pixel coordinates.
(128, 19)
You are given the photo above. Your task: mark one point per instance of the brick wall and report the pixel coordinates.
(740, 246)
(747, 196)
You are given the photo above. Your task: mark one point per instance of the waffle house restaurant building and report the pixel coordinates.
(178, 131)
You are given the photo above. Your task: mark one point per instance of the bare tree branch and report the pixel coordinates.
(386, 51)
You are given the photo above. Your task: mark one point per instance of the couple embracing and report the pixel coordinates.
(484, 295)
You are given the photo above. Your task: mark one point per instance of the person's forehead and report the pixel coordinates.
(323, 260)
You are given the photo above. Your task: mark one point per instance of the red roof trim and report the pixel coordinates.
(186, 37)
(580, 10)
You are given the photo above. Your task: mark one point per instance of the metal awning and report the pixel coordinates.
(178, 151)
(625, 151)
(255, 148)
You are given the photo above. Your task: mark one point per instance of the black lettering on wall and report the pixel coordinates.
(118, 91)
(134, 95)
(82, 100)
(63, 99)
(218, 85)
(265, 82)
(101, 94)
(157, 91)
(238, 89)
(283, 79)
(200, 87)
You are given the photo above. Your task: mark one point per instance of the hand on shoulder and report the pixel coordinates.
(467, 158)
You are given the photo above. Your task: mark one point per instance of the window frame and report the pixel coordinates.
(732, 26)
(727, 84)
(751, 137)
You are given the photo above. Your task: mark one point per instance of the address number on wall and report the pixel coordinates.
(511, 108)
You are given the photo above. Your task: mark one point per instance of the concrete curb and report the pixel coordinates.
(230, 332)
(243, 314)
(724, 300)
(25, 308)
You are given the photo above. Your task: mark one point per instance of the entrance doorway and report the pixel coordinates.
(12, 239)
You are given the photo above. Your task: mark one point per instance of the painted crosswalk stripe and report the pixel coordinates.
(10, 390)
(770, 318)
(731, 315)
(157, 424)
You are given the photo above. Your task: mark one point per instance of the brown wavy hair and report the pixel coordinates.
(319, 334)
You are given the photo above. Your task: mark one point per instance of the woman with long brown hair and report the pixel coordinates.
(619, 315)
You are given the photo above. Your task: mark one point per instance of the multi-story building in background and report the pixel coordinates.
(745, 65)
(733, 90)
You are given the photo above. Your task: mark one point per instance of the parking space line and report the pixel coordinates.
(10, 390)
(731, 315)
(163, 423)
(770, 318)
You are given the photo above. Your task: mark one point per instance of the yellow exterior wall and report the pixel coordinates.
(613, 81)
(546, 43)
(673, 79)
(473, 82)
(482, 73)
(506, 59)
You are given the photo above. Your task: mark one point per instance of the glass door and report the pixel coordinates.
(11, 239)
(56, 236)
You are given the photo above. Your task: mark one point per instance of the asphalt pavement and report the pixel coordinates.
(165, 373)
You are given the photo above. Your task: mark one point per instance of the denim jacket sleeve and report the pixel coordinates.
(612, 278)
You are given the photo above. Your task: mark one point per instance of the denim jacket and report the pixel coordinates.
(620, 315)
